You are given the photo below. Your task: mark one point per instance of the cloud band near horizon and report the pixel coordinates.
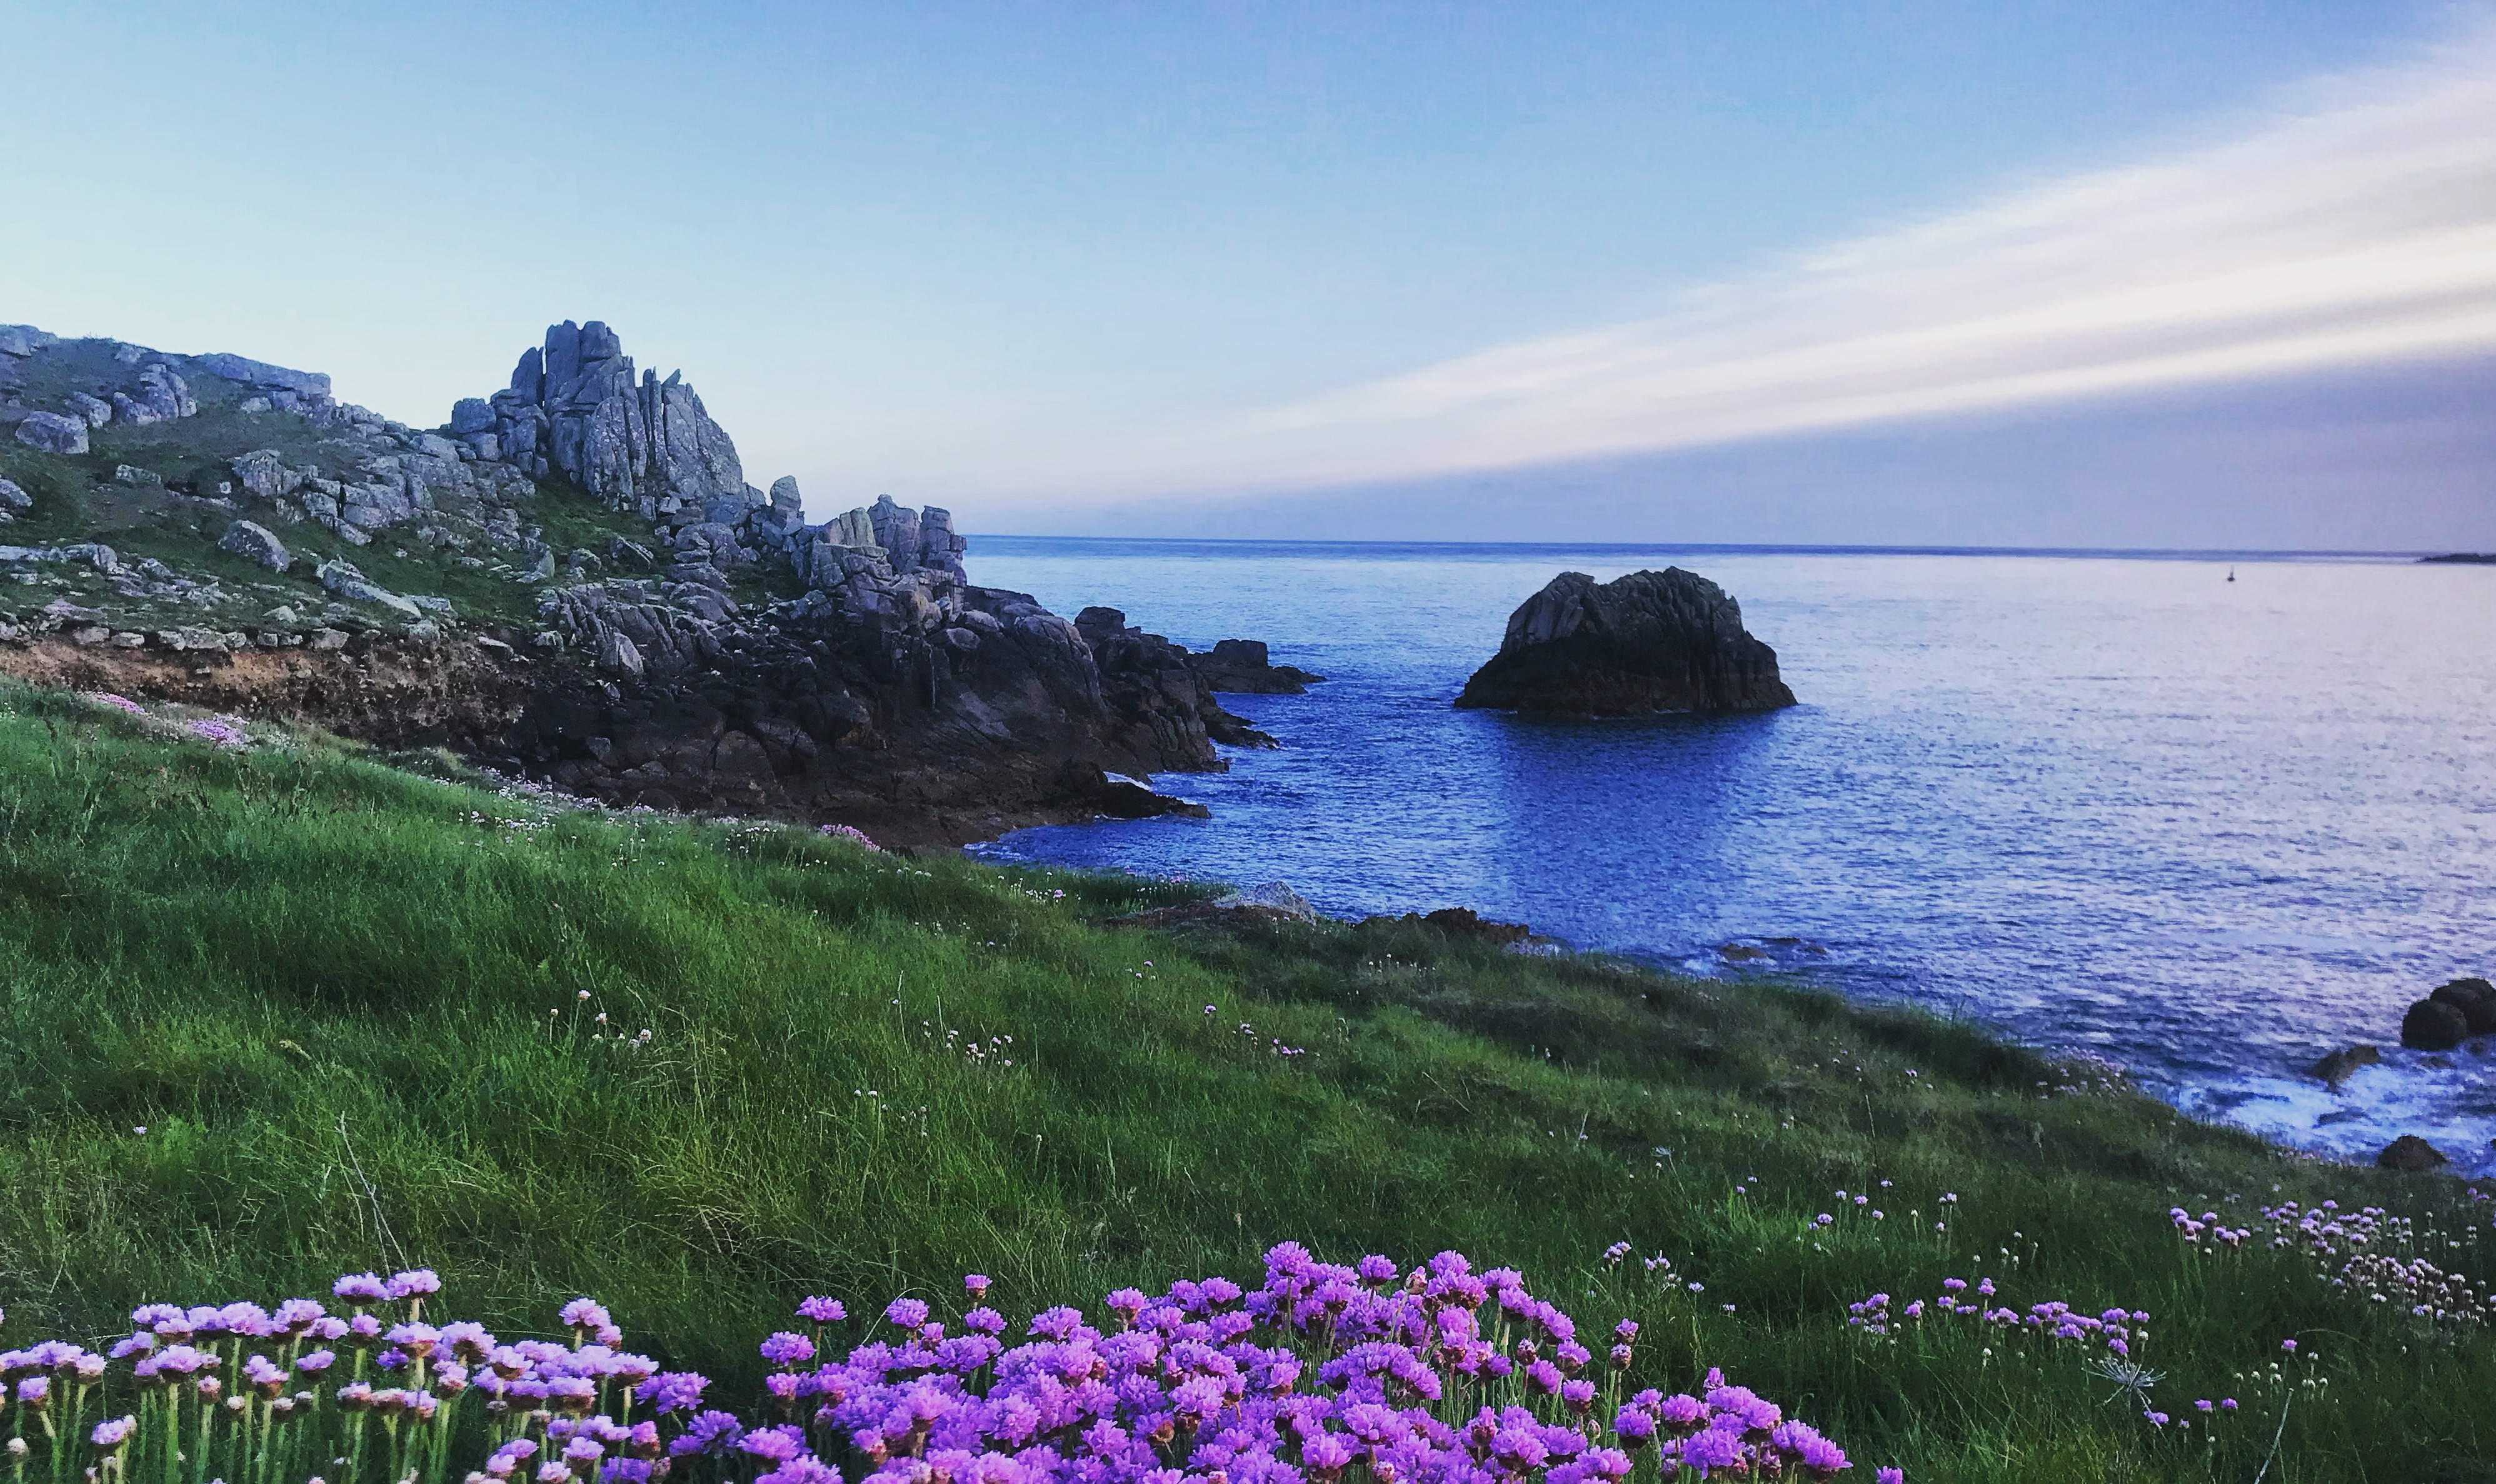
(2356, 227)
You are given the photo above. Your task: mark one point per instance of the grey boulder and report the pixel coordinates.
(255, 543)
(345, 580)
(53, 433)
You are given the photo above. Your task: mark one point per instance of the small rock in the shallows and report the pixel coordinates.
(2336, 1068)
(2411, 1153)
(2431, 1025)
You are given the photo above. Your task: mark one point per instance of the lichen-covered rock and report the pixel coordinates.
(53, 433)
(162, 397)
(1652, 641)
(255, 543)
(345, 580)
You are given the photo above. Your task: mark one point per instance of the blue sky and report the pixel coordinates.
(1158, 265)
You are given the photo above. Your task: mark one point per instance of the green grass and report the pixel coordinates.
(323, 985)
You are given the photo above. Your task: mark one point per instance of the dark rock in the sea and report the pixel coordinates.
(1242, 667)
(2411, 1153)
(2431, 1025)
(1461, 923)
(2336, 1068)
(1148, 678)
(2465, 558)
(2475, 999)
(1648, 642)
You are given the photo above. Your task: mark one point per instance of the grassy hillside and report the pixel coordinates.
(356, 1012)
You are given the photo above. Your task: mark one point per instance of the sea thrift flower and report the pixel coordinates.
(586, 1314)
(823, 1310)
(785, 1348)
(908, 1313)
(361, 1288)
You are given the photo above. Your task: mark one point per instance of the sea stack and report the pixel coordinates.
(1652, 641)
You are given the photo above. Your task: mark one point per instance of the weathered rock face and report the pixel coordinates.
(53, 433)
(574, 406)
(1242, 667)
(1168, 707)
(1648, 642)
(941, 712)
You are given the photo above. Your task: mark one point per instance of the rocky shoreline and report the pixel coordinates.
(715, 653)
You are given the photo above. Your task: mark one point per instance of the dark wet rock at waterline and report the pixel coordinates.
(1242, 667)
(2432, 1025)
(2411, 1153)
(1649, 642)
(2475, 999)
(2336, 1068)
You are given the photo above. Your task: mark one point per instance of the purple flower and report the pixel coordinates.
(674, 1391)
(2228, 1404)
(586, 1314)
(1810, 1451)
(785, 1348)
(711, 1433)
(1888, 1475)
(1712, 1449)
(779, 1444)
(415, 1283)
(823, 1310)
(976, 1284)
(361, 1288)
(114, 1433)
(2289, 1345)
(984, 1321)
(317, 1362)
(908, 1313)
(35, 1391)
(624, 1470)
(809, 1470)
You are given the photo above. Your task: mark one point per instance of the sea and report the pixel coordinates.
(2111, 803)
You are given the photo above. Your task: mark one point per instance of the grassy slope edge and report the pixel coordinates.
(324, 986)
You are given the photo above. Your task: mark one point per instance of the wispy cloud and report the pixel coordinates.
(2357, 224)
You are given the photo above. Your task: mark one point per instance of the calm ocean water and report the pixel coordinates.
(2207, 830)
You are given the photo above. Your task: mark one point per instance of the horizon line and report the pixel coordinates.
(1778, 548)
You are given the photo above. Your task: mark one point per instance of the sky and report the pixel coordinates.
(2184, 273)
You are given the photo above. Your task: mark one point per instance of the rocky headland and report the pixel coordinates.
(1648, 642)
(570, 577)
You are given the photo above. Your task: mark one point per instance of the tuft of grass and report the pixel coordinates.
(355, 1011)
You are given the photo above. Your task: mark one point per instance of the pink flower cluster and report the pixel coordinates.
(2113, 1328)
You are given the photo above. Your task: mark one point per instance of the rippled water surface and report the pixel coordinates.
(2208, 830)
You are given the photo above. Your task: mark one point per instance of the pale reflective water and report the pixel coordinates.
(2208, 830)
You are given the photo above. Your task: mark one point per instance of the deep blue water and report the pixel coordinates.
(2207, 830)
